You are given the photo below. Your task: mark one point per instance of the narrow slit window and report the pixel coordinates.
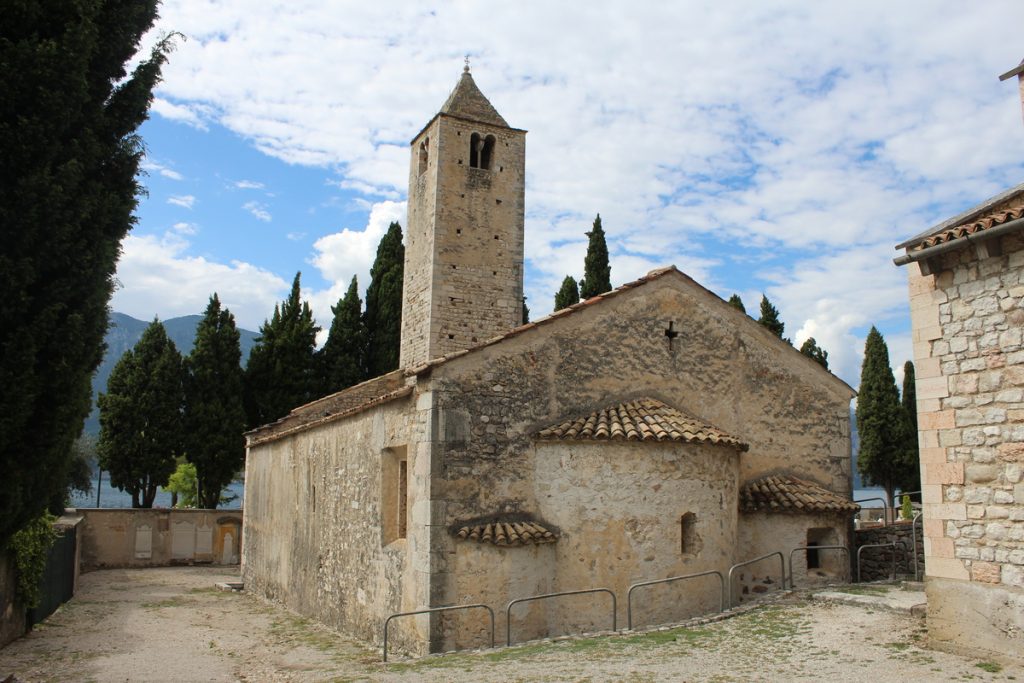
(424, 155)
(403, 499)
(487, 152)
(475, 147)
(688, 539)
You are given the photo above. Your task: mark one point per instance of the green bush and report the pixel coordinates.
(30, 547)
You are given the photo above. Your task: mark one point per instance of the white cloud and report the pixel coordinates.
(189, 115)
(342, 255)
(185, 228)
(149, 165)
(186, 201)
(248, 185)
(296, 236)
(258, 210)
(159, 278)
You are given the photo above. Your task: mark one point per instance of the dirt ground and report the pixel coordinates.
(171, 624)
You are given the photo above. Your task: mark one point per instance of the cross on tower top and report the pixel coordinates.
(465, 69)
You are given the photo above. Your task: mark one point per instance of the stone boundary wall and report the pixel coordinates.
(12, 615)
(158, 538)
(878, 561)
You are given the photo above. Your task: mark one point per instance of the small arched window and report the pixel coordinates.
(475, 147)
(481, 151)
(487, 153)
(424, 154)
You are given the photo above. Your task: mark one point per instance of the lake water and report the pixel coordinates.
(113, 498)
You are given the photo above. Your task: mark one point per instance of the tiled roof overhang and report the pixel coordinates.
(506, 533)
(643, 419)
(792, 495)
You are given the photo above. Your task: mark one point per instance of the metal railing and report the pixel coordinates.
(782, 564)
(913, 541)
(508, 609)
(891, 544)
(813, 547)
(629, 594)
(435, 609)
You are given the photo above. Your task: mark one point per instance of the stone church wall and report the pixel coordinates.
(321, 533)
(968, 320)
(722, 368)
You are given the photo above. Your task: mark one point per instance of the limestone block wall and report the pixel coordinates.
(967, 324)
(326, 530)
(876, 563)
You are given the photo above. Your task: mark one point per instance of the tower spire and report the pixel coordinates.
(465, 69)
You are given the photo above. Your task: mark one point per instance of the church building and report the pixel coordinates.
(648, 432)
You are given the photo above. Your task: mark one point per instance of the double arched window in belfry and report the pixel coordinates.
(481, 151)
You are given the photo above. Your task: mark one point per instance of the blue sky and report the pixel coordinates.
(776, 147)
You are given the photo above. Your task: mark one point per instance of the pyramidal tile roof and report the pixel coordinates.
(507, 533)
(467, 102)
(789, 494)
(643, 419)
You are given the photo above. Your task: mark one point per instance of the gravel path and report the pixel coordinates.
(171, 624)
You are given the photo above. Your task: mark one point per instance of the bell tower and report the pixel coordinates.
(463, 281)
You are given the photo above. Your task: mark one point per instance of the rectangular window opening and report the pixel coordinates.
(403, 500)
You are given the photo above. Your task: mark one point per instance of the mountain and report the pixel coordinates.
(124, 333)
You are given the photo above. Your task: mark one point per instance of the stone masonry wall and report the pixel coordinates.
(876, 563)
(968, 321)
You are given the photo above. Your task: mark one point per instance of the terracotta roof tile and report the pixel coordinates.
(978, 225)
(643, 419)
(789, 494)
(998, 210)
(506, 533)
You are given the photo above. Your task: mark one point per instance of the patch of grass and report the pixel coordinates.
(898, 647)
(991, 667)
(863, 590)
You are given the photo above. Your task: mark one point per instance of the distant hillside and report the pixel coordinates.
(125, 332)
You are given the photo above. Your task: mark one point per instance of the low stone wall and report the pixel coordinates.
(877, 562)
(156, 538)
(12, 615)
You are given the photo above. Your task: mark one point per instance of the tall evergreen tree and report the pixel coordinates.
(343, 357)
(214, 414)
(597, 273)
(770, 317)
(880, 420)
(911, 481)
(526, 312)
(281, 372)
(811, 349)
(383, 316)
(736, 302)
(69, 154)
(568, 295)
(140, 417)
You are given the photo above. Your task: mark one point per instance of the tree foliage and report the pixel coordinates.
(597, 273)
(383, 316)
(214, 416)
(343, 357)
(770, 317)
(69, 154)
(811, 349)
(141, 418)
(31, 546)
(911, 480)
(568, 294)
(281, 372)
(183, 485)
(526, 312)
(880, 419)
(736, 302)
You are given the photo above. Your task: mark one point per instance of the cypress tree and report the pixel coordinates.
(597, 273)
(526, 312)
(911, 480)
(342, 359)
(140, 417)
(383, 316)
(568, 295)
(282, 370)
(811, 349)
(736, 302)
(214, 414)
(880, 420)
(69, 154)
(770, 317)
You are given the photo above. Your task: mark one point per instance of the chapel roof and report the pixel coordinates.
(467, 102)
(995, 211)
(502, 532)
(789, 494)
(642, 419)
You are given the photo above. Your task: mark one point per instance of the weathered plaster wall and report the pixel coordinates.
(155, 537)
(464, 244)
(967, 322)
(762, 533)
(321, 521)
